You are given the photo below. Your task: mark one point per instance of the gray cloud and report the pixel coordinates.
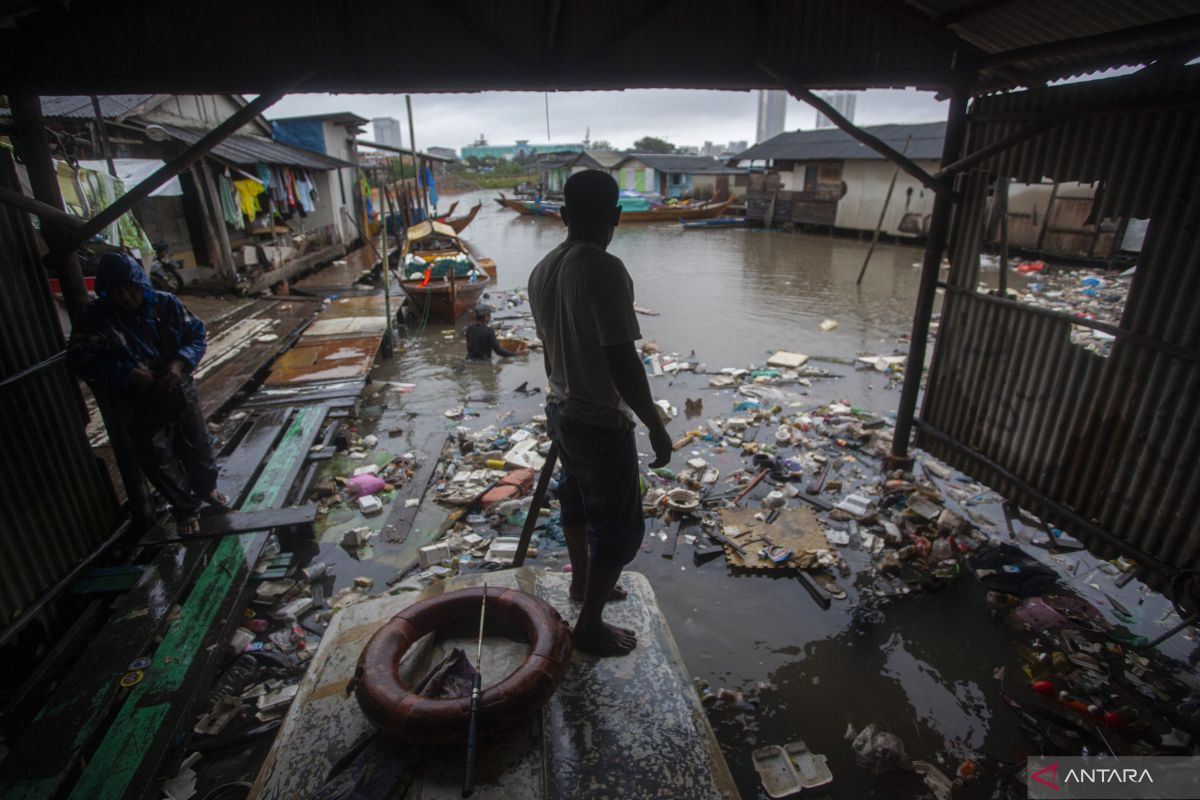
(684, 117)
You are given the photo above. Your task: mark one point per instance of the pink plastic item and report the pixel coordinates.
(360, 485)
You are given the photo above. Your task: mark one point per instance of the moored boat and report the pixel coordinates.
(663, 213)
(451, 279)
(461, 222)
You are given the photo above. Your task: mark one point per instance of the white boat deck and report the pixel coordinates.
(617, 728)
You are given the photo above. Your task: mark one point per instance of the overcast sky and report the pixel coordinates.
(683, 117)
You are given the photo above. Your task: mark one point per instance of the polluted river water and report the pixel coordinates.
(923, 667)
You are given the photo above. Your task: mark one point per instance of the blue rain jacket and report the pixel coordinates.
(109, 342)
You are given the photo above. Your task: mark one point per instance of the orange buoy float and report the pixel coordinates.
(394, 708)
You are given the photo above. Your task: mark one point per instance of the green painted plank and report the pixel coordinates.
(116, 762)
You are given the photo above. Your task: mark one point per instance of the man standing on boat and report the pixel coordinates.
(582, 301)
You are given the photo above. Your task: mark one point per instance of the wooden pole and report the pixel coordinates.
(1002, 198)
(102, 135)
(412, 142)
(385, 205)
(882, 214)
(209, 198)
(34, 149)
(939, 225)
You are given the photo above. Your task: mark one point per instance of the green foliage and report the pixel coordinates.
(652, 144)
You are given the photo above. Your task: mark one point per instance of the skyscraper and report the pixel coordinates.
(387, 131)
(842, 102)
(772, 112)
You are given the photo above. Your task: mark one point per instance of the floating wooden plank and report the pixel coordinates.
(367, 305)
(344, 326)
(242, 521)
(338, 359)
(127, 761)
(334, 393)
(401, 517)
(798, 529)
(245, 461)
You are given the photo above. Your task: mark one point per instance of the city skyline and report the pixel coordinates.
(683, 117)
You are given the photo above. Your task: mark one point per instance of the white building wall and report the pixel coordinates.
(202, 111)
(340, 182)
(866, 187)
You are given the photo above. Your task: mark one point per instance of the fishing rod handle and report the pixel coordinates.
(472, 738)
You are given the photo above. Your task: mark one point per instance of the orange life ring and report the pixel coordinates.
(394, 708)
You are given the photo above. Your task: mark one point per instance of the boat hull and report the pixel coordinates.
(664, 214)
(444, 306)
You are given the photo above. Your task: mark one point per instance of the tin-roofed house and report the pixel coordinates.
(824, 178)
(254, 209)
(674, 175)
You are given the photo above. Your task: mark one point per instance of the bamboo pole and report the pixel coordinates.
(882, 214)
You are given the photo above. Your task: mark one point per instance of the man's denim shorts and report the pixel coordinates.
(599, 486)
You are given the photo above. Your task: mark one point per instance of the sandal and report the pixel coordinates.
(187, 526)
(218, 499)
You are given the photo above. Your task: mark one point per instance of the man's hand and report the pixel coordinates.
(169, 377)
(660, 440)
(141, 379)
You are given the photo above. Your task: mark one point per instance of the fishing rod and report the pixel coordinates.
(473, 725)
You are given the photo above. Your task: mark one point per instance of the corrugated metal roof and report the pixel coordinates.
(253, 150)
(604, 159)
(1012, 26)
(832, 143)
(75, 106)
(673, 162)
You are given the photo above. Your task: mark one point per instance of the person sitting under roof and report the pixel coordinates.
(137, 348)
(481, 339)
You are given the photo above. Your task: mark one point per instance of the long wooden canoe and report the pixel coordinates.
(460, 222)
(662, 214)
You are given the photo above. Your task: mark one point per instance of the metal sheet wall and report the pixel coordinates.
(56, 502)
(1105, 447)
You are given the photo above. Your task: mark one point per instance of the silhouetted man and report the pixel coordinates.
(582, 301)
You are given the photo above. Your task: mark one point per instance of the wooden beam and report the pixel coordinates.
(878, 145)
(969, 12)
(48, 213)
(178, 164)
(1085, 46)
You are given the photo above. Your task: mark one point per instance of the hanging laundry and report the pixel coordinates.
(264, 174)
(304, 191)
(248, 191)
(432, 186)
(229, 202)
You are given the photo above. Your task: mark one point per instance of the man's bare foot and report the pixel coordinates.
(604, 640)
(576, 593)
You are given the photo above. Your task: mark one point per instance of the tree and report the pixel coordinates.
(652, 144)
(602, 144)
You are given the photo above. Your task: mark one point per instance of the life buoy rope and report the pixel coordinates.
(394, 708)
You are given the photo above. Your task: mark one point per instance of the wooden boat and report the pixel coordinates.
(716, 222)
(534, 208)
(438, 299)
(677, 213)
(460, 222)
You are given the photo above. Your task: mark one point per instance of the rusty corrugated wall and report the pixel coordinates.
(56, 501)
(1104, 447)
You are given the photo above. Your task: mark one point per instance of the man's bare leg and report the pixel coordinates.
(577, 550)
(592, 634)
